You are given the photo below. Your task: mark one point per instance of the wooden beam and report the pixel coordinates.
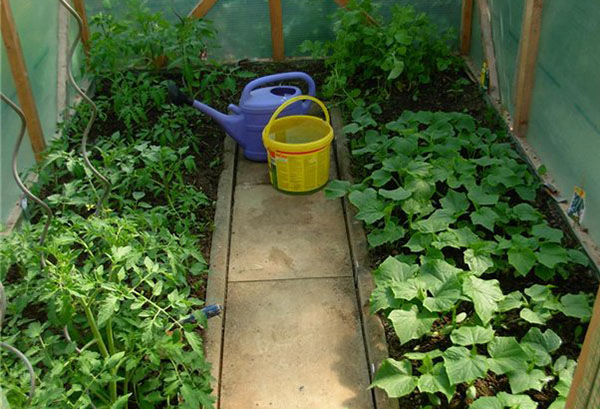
(488, 47)
(202, 8)
(528, 51)
(79, 6)
(14, 52)
(588, 365)
(276, 30)
(466, 27)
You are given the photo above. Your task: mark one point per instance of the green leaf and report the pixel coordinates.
(539, 345)
(395, 378)
(551, 254)
(485, 294)
(455, 202)
(438, 221)
(578, 257)
(410, 323)
(396, 194)
(506, 355)
(390, 234)
(396, 70)
(383, 298)
(107, 309)
(408, 289)
(462, 366)
(522, 259)
(543, 231)
(436, 381)
(559, 403)
(466, 336)
(538, 293)
(576, 306)
(370, 208)
(436, 272)
(445, 296)
(487, 402)
(481, 198)
(517, 401)
(113, 360)
(534, 317)
(392, 270)
(419, 242)
(120, 402)
(485, 217)
(526, 212)
(521, 380)
(478, 263)
(381, 177)
(511, 301)
(337, 188)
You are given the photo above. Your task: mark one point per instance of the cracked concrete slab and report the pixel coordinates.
(278, 236)
(294, 344)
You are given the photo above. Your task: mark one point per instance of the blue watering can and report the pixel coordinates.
(246, 121)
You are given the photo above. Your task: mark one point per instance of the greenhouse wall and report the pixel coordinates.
(564, 125)
(37, 25)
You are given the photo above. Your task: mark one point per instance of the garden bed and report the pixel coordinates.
(573, 278)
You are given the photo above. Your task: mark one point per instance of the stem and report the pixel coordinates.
(95, 331)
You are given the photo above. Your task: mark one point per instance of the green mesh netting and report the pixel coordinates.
(39, 42)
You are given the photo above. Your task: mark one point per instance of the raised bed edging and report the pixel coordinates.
(216, 284)
(374, 333)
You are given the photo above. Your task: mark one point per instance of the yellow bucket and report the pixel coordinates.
(298, 148)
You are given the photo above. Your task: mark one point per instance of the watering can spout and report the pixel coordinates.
(232, 123)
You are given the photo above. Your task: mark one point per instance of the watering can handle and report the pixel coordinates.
(296, 75)
(283, 106)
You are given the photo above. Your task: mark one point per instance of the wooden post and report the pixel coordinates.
(14, 52)
(528, 51)
(276, 30)
(586, 374)
(202, 8)
(79, 6)
(466, 27)
(488, 47)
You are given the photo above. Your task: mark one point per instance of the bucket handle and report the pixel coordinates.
(283, 106)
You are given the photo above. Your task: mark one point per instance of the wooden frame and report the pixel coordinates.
(488, 47)
(202, 8)
(79, 6)
(528, 51)
(466, 27)
(16, 60)
(587, 370)
(277, 30)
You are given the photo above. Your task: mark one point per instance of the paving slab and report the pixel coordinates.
(278, 236)
(294, 344)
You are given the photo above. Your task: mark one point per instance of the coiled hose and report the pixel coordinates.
(105, 182)
(18, 180)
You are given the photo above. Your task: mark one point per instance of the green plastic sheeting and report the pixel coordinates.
(37, 24)
(244, 29)
(564, 125)
(565, 117)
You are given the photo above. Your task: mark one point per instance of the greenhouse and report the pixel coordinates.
(336, 204)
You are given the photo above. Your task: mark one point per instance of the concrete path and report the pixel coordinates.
(292, 335)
